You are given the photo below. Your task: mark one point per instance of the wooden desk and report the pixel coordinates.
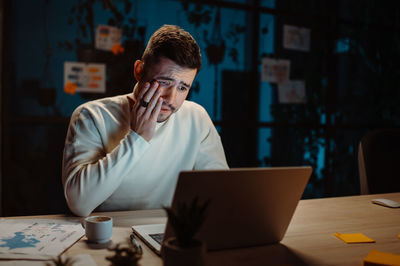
(308, 241)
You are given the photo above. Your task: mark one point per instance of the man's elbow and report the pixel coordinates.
(77, 204)
(79, 211)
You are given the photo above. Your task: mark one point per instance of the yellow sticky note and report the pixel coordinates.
(354, 238)
(117, 49)
(70, 88)
(376, 257)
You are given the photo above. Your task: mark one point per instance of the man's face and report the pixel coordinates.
(174, 82)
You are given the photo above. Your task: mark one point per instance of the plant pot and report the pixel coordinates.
(87, 54)
(174, 255)
(47, 96)
(133, 49)
(215, 53)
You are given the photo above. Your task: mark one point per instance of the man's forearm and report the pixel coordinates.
(87, 185)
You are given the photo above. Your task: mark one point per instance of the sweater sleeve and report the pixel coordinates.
(90, 175)
(211, 154)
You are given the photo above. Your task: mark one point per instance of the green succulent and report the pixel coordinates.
(59, 261)
(125, 256)
(186, 220)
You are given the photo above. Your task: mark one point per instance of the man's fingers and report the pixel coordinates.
(135, 105)
(145, 117)
(150, 92)
(156, 110)
(131, 102)
(138, 105)
(152, 103)
(145, 97)
(143, 90)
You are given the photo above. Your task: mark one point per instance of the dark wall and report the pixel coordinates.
(350, 90)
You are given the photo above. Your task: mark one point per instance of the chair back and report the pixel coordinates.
(379, 161)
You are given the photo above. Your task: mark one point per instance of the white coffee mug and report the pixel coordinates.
(98, 229)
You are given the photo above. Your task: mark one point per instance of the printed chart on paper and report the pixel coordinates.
(38, 236)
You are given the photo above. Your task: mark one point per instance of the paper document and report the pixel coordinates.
(37, 236)
(276, 71)
(107, 37)
(75, 260)
(296, 38)
(83, 77)
(293, 91)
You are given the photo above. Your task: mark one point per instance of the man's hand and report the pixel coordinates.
(145, 110)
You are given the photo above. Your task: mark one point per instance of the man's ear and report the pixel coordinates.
(138, 70)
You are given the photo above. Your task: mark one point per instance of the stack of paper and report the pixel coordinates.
(37, 238)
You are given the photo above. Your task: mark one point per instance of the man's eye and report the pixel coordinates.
(163, 83)
(183, 88)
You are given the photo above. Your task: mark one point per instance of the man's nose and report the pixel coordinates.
(169, 94)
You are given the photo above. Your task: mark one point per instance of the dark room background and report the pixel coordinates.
(349, 73)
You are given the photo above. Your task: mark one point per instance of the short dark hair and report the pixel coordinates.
(174, 43)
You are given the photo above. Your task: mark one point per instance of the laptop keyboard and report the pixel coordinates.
(157, 237)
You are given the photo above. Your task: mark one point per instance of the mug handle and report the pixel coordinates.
(83, 223)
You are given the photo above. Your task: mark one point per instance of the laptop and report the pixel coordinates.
(248, 206)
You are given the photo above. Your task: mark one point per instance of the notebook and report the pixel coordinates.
(248, 206)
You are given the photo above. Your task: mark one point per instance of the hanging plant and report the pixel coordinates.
(46, 93)
(215, 45)
(215, 53)
(233, 36)
(197, 14)
(82, 14)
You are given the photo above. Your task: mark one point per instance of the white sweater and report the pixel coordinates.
(108, 166)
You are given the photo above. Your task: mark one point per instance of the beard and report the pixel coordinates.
(169, 108)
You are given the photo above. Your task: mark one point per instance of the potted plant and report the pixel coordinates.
(125, 255)
(183, 248)
(216, 46)
(61, 261)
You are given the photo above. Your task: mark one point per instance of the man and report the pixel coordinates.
(125, 152)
